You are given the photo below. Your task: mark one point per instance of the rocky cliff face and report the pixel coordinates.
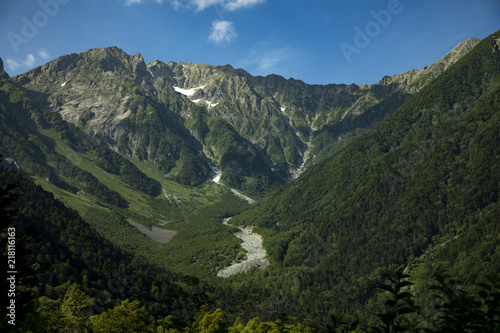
(177, 114)
(3, 74)
(417, 78)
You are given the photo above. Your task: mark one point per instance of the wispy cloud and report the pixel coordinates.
(132, 2)
(202, 4)
(136, 2)
(229, 5)
(266, 58)
(222, 32)
(264, 61)
(42, 53)
(237, 4)
(13, 64)
(29, 62)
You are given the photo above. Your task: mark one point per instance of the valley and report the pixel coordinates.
(223, 197)
(254, 257)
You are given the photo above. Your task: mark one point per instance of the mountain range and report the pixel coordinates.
(267, 128)
(350, 181)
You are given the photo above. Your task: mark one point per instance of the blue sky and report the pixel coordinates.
(316, 41)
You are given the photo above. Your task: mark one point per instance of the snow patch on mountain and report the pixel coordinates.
(209, 104)
(216, 173)
(187, 92)
(149, 70)
(216, 178)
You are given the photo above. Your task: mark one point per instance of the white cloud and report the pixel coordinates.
(268, 61)
(268, 57)
(263, 60)
(132, 2)
(136, 2)
(229, 5)
(30, 61)
(13, 64)
(237, 4)
(222, 31)
(42, 53)
(203, 4)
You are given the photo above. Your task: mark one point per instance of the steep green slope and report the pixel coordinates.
(428, 175)
(118, 141)
(110, 190)
(57, 254)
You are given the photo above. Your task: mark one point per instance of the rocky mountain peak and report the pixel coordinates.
(158, 68)
(415, 79)
(3, 74)
(466, 45)
(458, 52)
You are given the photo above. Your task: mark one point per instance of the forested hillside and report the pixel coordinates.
(69, 279)
(419, 191)
(59, 256)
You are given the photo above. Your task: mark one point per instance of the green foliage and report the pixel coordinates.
(67, 315)
(69, 260)
(212, 323)
(84, 295)
(130, 174)
(419, 190)
(455, 310)
(399, 304)
(25, 316)
(126, 317)
(460, 311)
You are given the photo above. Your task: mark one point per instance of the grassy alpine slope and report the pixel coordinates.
(108, 189)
